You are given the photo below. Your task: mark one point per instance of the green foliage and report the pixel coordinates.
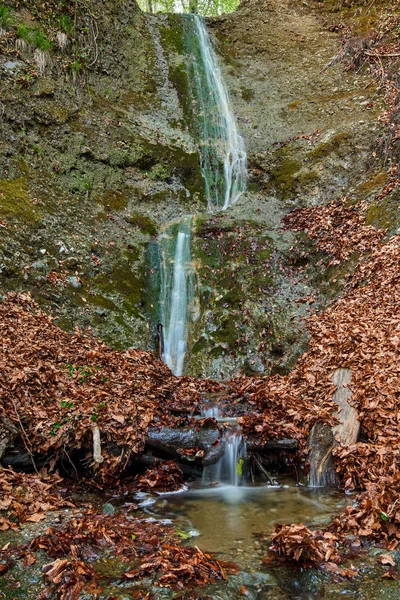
(7, 17)
(66, 24)
(183, 534)
(201, 7)
(75, 67)
(66, 404)
(81, 372)
(55, 428)
(34, 37)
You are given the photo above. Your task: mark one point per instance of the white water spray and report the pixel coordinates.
(221, 141)
(176, 293)
(228, 470)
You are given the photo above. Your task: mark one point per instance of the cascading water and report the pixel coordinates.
(224, 159)
(176, 292)
(229, 469)
(224, 167)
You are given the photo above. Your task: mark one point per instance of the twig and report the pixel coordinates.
(24, 436)
(263, 470)
(381, 54)
(97, 457)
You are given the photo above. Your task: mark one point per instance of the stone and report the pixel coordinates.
(13, 65)
(71, 263)
(74, 282)
(108, 509)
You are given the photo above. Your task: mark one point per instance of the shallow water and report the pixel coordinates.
(226, 519)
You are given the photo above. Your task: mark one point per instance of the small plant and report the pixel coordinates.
(66, 404)
(34, 37)
(7, 17)
(75, 68)
(55, 428)
(66, 24)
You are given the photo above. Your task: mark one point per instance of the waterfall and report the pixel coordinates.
(228, 469)
(223, 155)
(176, 292)
(224, 167)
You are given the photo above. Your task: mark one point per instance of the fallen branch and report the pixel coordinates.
(97, 457)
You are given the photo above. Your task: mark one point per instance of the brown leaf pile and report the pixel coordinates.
(301, 545)
(360, 331)
(27, 497)
(69, 577)
(56, 387)
(338, 230)
(163, 477)
(376, 515)
(151, 547)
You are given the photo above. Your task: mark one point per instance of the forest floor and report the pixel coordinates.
(68, 401)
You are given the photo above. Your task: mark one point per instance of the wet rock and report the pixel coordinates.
(71, 263)
(39, 265)
(74, 282)
(108, 509)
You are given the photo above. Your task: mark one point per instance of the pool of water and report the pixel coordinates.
(227, 519)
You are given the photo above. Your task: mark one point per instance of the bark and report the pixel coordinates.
(169, 440)
(323, 439)
(8, 432)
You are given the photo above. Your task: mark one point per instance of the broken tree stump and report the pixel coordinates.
(8, 433)
(323, 439)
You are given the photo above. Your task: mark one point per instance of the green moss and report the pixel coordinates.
(282, 176)
(112, 200)
(179, 79)
(123, 282)
(126, 158)
(247, 94)
(143, 222)
(339, 144)
(306, 178)
(16, 202)
(172, 35)
(160, 172)
(385, 213)
(371, 185)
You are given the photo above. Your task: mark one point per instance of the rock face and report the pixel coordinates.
(96, 160)
(323, 439)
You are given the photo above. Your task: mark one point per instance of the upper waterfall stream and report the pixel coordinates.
(224, 168)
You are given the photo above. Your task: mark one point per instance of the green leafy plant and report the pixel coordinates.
(184, 535)
(7, 17)
(56, 426)
(66, 24)
(75, 67)
(65, 404)
(34, 37)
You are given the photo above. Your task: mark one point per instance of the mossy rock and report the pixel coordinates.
(142, 222)
(16, 201)
(283, 176)
(385, 214)
(112, 200)
(338, 144)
